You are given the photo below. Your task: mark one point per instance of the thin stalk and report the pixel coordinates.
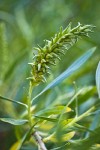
(76, 107)
(76, 99)
(36, 134)
(29, 105)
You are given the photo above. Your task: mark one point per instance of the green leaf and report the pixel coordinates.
(98, 79)
(63, 137)
(14, 121)
(68, 136)
(60, 147)
(45, 118)
(76, 65)
(15, 146)
(13, 101)
(80, 127)
(51, 111)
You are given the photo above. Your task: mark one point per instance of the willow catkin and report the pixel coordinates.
(53, 49)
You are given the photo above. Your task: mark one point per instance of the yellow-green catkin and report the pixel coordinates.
(53, 49)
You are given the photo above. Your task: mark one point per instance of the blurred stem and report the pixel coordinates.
(76, 109)
(29, 104)
(39, 141)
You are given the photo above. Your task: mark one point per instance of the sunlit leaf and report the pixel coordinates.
(64, 137)
(76, 65)
(14, 121)
(15, 146)
(98, 79)
(68, 136)
(65, 122)
(45, 125)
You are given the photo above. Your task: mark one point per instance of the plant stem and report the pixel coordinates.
(39, 141)
(29, 105)
(36, 134)
(76, 101)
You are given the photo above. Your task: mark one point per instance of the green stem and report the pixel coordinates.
(36, 134)
(29, 105)
(76, 109)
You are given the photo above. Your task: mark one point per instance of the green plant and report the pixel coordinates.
(33, 121)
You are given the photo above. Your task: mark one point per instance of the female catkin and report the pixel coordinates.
(53, 49)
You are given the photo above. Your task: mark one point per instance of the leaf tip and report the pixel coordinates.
(98, 79)
(93, 49)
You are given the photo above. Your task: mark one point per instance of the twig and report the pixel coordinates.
(39, 141)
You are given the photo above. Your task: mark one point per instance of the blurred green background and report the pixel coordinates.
(23, 25)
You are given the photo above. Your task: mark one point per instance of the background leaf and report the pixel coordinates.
(14, 121)
(98, 79)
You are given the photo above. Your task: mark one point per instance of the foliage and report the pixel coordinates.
(64, 110)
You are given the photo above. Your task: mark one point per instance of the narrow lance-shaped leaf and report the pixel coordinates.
(54, 110)
(13, 101)
(64, 137)
(76, 65)
(46, 118)
(98, 79)
(14, 121)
